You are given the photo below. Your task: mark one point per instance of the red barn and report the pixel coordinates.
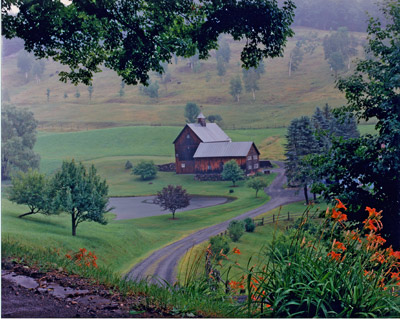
(202, 148)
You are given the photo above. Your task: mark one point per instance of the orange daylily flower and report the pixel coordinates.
(340, 204)
(338, 245)
(236, 251)
(335, 256)
(339, 216)
(372, 212)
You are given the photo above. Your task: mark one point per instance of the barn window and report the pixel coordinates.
(183, 165)
(255, 166)
(188, 136)
(249, 158)
(250, 167)
(255, 157)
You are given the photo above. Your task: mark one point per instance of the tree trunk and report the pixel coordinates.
(26, 214)
(306, 194)
(256, 192)
(238, 98)
(315, 196)
(173, 214)
(254, 94)
(73, 224)
(290, 66)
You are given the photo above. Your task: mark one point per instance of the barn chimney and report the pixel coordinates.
(201, 119)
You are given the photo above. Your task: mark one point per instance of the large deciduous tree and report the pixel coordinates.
(81, 193)
(236, 88)
(251, 77)
(133, 37)
(18, 137)
(366, 171)
(172, 198)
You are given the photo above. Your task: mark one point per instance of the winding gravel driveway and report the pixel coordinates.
(163, 262)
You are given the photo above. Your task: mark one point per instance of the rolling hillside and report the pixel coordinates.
(278, 101)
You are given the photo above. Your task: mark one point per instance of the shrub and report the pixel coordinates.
(128, 165)
(219, 244)
(235, 230)
(145, 169)
(249, 225)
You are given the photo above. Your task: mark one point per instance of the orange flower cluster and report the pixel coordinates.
(372, 245)
(83, 258)
(236, 251)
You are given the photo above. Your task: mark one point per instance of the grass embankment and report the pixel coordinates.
(251, 245)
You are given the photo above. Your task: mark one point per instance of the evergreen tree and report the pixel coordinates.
(301, 144)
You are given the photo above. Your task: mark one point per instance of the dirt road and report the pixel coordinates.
(163, 262)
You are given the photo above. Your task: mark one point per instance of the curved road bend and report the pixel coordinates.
(163, 262)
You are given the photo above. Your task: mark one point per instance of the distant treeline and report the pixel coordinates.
(332, 14)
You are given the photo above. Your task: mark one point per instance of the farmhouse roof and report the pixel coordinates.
(224, 149)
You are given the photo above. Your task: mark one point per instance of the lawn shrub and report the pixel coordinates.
(128, 165)
(249, 225)
(235, 230)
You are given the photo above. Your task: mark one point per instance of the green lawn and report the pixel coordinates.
(120, 244)
(251, 245)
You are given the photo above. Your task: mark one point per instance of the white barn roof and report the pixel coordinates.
(223, 149)
(209, 133)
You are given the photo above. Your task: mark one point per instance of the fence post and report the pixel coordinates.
(288, 216)
(273, 218)
(262, 221)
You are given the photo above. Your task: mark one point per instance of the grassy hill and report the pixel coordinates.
(278, 101)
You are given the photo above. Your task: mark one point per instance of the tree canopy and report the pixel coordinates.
(172, 198)
(232, 172)
(81, 193)
(133, 37)
(366, 170)
(18, 137)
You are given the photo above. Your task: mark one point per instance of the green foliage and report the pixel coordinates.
(236, 88)
(172, 198)
(90, 90)
(366, 171)
(24, 62)
(18, 137)
(224, 51)
(145, 169)
(221, 68)
(80, 193)
(191, 112)
(251, 77)
(151, 90)
(235, 230)
(257, 183)
(133, 38)
(218, 244)
(339, 47)
(214, 118)
(295, 58)
(128, 165)
(32, 189)
(232, 172)
(249, 225)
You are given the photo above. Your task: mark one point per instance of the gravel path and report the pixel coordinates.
(163, 262)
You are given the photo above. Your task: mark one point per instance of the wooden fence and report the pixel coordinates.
(272, 219)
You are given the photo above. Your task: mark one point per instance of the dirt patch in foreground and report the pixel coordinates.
(27, 292)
